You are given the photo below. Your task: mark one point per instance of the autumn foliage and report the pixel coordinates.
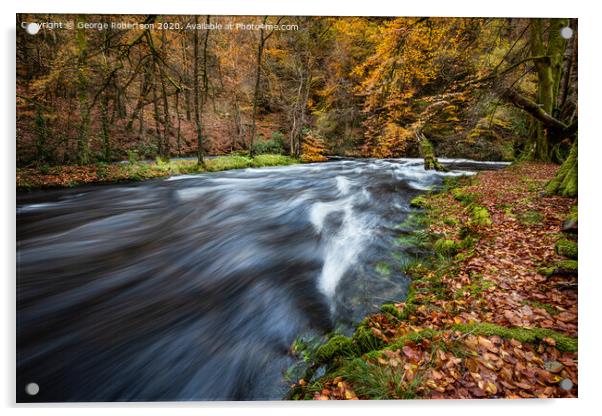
(364, 86)
(482, 321)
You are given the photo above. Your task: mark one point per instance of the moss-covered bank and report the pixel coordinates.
(71, 175)
(447, 338)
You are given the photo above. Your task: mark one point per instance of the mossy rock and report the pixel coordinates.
(420, 201)
(567, 248)
(570, 224)
(564, 267)
(337, 346)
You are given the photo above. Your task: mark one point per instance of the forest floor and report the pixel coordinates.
(72, 175)
(491, 311)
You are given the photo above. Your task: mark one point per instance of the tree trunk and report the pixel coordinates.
(166, 116)
(548, 74)
(565, 182)
(179, 125)
(257, 84)
(428, 154)
(82, 96)
(104, 101)
(157, 117)
(197, 97)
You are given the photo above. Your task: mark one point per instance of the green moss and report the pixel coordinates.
(414, 337)
(446, 247)
(451, 182)
(566, 181)
(527, 335)
(420, 201)
(364, 339)
(562, 267)
(567, 266)
(460, 194)
(573, 214)
(336, 347)
(566, 248)
(480, 216)
(548, 308)
(391, 309)
(428, 153)
(383, 269)
(477, 287)
(529, 217)
(451, 221)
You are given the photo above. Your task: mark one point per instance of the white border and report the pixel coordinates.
(590, 94)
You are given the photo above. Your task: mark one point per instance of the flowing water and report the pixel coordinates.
(194, 287)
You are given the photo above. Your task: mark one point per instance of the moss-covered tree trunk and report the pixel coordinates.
(565, 182)
(549, 71)
(428, 153)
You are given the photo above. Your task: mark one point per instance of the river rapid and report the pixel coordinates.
(194, 287)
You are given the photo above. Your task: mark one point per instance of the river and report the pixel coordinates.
(194, 287)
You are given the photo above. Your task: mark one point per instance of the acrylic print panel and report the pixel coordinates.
(267, 208)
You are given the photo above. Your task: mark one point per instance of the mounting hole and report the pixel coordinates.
(32, 389)
(566, 32)
(32, 28)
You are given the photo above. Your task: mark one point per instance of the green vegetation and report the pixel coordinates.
(529, 217)
(376, 382)
(547, 307)
(528, 335)
(566, 248)
(480, 216)
(68, 176)
(273, 146)
(566, 183)
(460, 194)
(562, 267)
(419, 202)
(447, 316)
(446, 247)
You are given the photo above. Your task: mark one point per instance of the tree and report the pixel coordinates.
(82, 94)
(548, 62)
(263, 38)
(199, 100)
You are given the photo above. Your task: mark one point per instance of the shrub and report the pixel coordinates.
(274, 146)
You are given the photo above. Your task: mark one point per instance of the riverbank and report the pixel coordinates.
(492, 310)
(72, 175)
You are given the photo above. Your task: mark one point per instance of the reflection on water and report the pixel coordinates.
(194, 287)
